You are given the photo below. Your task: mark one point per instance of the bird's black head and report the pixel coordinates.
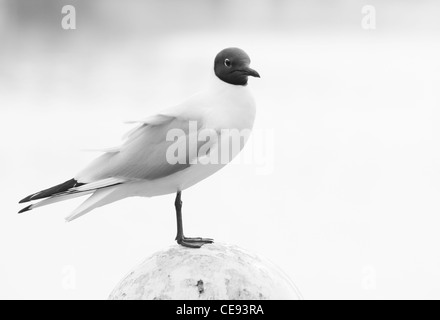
(232, 66)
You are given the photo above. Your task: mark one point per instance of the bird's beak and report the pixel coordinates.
(251, 72)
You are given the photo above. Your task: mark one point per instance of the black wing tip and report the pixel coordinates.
(28, 208)
(27, 199)
(72, 183)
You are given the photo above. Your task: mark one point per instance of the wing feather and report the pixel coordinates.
(143, 156)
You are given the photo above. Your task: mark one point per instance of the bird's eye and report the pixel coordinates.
(228, 63)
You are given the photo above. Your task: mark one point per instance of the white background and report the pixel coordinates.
(351, 208)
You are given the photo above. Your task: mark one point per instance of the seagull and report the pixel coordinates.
(145, 164)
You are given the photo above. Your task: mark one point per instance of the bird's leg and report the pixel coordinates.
(178, 205)
(180, 238)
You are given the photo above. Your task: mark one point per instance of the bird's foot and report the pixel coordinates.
(194, 243)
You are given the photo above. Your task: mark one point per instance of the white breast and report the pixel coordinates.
(229, 107)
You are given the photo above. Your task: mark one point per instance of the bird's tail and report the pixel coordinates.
(53, 199)
(101, 190)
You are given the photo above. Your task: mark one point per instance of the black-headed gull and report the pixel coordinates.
(171, 151)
